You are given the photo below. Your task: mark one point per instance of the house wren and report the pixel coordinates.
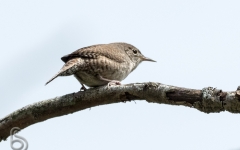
(101, 64)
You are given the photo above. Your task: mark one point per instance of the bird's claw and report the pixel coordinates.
(83, 89)
(114, 82)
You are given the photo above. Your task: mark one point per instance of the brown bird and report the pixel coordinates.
(101, 64)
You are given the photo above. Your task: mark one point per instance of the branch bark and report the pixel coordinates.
(208, 100)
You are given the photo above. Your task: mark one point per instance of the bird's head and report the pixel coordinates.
(135, 55)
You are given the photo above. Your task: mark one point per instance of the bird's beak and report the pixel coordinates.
(148, 59)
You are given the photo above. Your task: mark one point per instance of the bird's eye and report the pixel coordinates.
(135, 51)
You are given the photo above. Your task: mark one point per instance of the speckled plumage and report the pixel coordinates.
(100, 64)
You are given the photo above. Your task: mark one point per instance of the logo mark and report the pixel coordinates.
(13, 132)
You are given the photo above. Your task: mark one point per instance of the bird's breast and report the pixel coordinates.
(104, 67)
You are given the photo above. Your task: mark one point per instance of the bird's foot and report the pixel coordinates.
(110, 82)
(79, 93)
(83, 88)
(114, 82)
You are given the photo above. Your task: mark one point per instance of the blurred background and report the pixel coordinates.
(195, 43)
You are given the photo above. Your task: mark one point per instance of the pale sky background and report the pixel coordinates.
(196, 44)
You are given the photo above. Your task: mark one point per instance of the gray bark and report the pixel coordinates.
(208, 100)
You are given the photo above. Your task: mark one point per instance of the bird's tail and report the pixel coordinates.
(68, 69)
(52, 78)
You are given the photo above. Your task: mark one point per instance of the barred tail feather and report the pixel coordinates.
(68, 69)
(54, 77)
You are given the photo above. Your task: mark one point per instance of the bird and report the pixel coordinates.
(101, 64)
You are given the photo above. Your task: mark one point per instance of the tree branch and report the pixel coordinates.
(208, 100)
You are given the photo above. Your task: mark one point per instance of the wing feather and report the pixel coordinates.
(94, 51)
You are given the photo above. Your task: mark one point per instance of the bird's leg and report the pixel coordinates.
(110, 82)
(79, 93)
(83, 88)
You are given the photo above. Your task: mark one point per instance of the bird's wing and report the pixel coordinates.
(92, 52)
